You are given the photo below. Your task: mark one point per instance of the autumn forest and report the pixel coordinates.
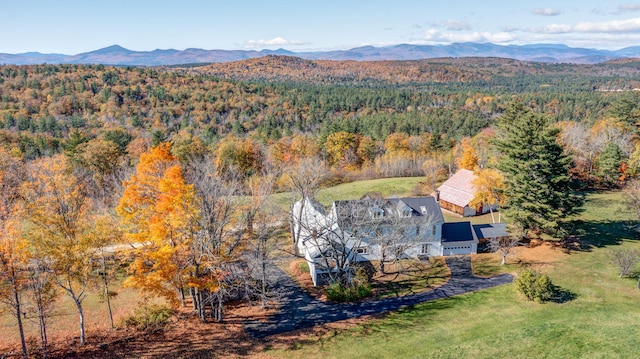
(176, 164)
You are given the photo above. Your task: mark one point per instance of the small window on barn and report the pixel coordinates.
(425, 249)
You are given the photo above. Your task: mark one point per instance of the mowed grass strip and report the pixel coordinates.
(600, 322)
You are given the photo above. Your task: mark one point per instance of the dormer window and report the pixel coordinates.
(377, 213)
(423, 209)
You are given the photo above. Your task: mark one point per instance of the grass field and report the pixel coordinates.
(388, 187)
(63, 324)
(600, 322)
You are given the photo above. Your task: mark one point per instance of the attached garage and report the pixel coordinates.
(458, 238)
(451, 250)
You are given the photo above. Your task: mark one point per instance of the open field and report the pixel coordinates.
(388, 187)
(599, 322)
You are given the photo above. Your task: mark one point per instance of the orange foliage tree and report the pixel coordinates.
(157, 210)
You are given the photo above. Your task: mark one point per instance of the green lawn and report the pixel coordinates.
(600, 322)
(388, 187)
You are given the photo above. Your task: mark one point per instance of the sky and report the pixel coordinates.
(76, 26)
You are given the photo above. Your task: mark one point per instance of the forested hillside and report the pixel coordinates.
(46, 109)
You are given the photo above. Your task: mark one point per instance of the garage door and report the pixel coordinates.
(453, 250)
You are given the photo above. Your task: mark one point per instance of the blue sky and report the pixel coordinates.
(75, 26)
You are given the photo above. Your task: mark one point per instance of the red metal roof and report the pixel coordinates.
(458, 189)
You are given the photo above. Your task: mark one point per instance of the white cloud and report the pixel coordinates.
(546, 11)
(627, 8)
(614, 26)
(552, 29)
(454, 25)
(276, 41)
(433, 35)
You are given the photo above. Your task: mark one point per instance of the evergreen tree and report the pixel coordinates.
(609, 163)
(536, 170)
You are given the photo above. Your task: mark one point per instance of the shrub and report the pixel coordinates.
(534, 285)
(338, 292)
(150, 317)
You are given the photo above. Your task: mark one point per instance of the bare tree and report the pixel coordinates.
(43, 297)
(632, 189)
(505, 246)
(261, 222)
(397, 233)
(331, 241)
(303, 180)
(216, 244)
(624, 259)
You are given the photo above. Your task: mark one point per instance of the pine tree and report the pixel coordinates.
(609, 163)
(536, 170)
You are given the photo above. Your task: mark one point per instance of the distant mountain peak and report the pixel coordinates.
(113, 49)
(118, 55)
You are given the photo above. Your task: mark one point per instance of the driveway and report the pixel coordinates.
(300, 310)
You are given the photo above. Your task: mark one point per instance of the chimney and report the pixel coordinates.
(436, 194)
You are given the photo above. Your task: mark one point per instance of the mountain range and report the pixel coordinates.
(117, 55)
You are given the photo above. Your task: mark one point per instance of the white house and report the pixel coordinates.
(376, 229)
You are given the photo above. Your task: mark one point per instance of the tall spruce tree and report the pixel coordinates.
(536, 170)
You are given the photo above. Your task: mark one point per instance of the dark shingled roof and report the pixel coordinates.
(432, 206)
(491, 230)
(457, 232)
(354, 212)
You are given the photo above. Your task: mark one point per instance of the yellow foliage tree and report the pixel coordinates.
(57, 212)
(469, 158)
(13, 247)
(489, 184)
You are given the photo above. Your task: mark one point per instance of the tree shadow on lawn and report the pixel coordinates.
(411, 279)
(562, 295)
(584, 236)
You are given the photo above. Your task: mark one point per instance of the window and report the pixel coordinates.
(400, 251)
(406, 213)
(433, 230)
(425, 249)
(417, 230)
(362, 250)
(423, 209)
